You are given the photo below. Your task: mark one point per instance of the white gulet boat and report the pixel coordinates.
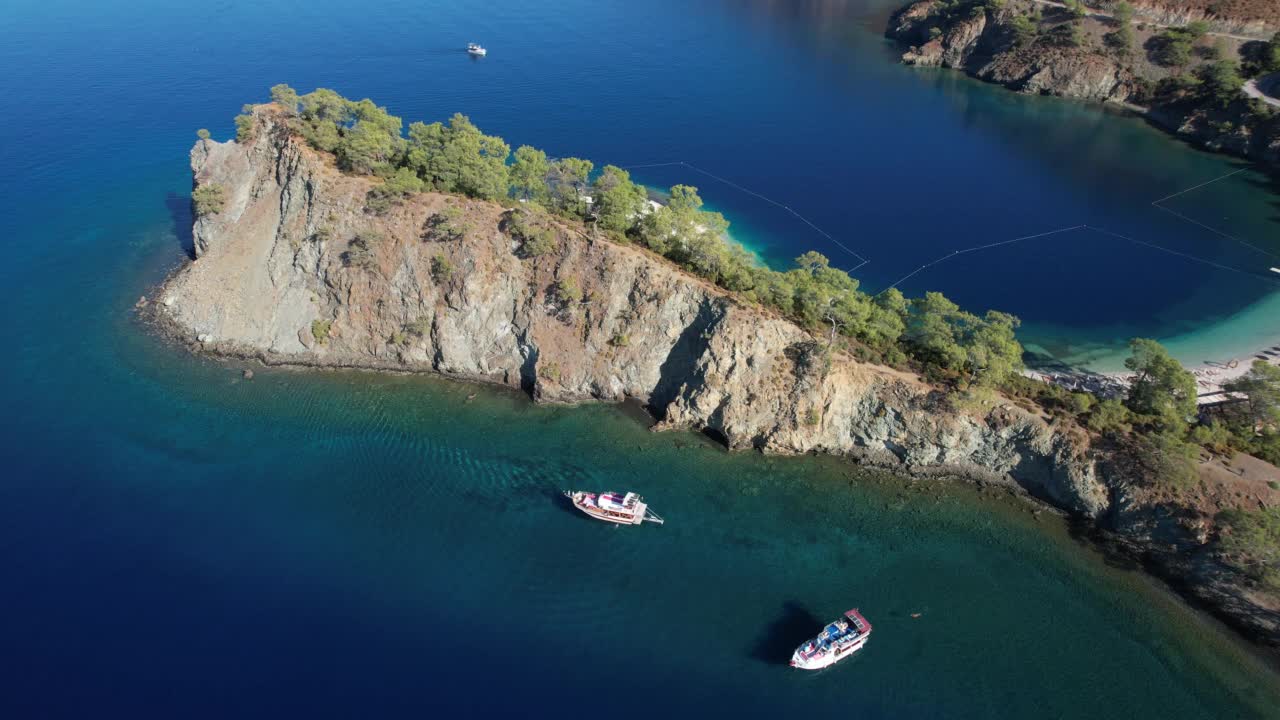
(474, 49)
(836, 642)
(628, 509)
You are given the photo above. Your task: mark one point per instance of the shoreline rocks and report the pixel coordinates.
(295, 270)
(984, 44)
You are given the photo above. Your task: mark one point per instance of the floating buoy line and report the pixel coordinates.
(861, 260)
(1158, 204)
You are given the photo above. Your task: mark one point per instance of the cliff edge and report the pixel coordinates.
(294, 266)
(1041, 47)
(294, 269)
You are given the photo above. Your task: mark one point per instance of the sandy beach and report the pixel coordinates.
(1210, 376)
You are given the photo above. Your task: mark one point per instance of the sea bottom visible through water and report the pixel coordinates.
(342, 542)
(181, 542)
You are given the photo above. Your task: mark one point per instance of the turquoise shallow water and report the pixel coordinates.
(185, 542)
(178, 542)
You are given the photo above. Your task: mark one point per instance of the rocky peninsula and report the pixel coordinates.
(295, 264)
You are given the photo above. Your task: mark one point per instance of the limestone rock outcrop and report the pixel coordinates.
(294, 269)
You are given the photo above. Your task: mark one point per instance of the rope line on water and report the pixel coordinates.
(983, 247)
(1155, 203)
(1187, 256)
(1103, 231)
(1197, 187)
(1215, 231)
(862, 260)
(1158, 204)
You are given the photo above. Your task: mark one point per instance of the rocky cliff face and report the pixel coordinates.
(981, 41)
(982, 44)
(294, 269)
(278, 276)
(1259, 18)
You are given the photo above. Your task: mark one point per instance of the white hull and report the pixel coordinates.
(825, 660)
(611, 507)
(607, 518)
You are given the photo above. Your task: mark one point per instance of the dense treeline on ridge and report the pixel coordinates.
(457, 157)
(1155, 428)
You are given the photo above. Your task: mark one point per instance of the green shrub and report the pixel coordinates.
(812, 417)
(208, 199)
(203, 134)
(620, 340)
(420, 327)
(360, 250)
(446, 225)
(1214, 437)
(441, 269)
(286, 97)
(1251, 539)
(1221, 81)
(1172, 48)
(540, 241)
(1110, 417)
(1081, 403)
(320, 330)
(529, 228)
(1025, 29)
(567, 291)
(245, 125)
(399, 185)
(549, 370)
(1164, 460)
(977, 398)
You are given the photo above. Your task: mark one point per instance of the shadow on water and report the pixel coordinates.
(792, 626)
(1269, 182)
(179, 207)
(1089, 537)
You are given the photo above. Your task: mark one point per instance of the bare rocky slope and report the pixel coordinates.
(278, 277)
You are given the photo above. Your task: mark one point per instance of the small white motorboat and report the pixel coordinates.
(837, 641)
(474, 49)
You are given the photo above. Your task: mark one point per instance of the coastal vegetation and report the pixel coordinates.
(1252, 540)
(931, 332)
(320, 330)
(208, 199)
(965, 351)
(1188, 79)
(1154, 429)
(566, 286)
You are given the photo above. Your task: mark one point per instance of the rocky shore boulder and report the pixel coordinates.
(983, 43)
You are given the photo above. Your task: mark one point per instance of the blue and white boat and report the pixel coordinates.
(837, 641)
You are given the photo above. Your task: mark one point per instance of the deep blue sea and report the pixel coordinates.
(178, 542)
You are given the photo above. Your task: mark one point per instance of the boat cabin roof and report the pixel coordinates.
(860, 623)
(617, 501)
